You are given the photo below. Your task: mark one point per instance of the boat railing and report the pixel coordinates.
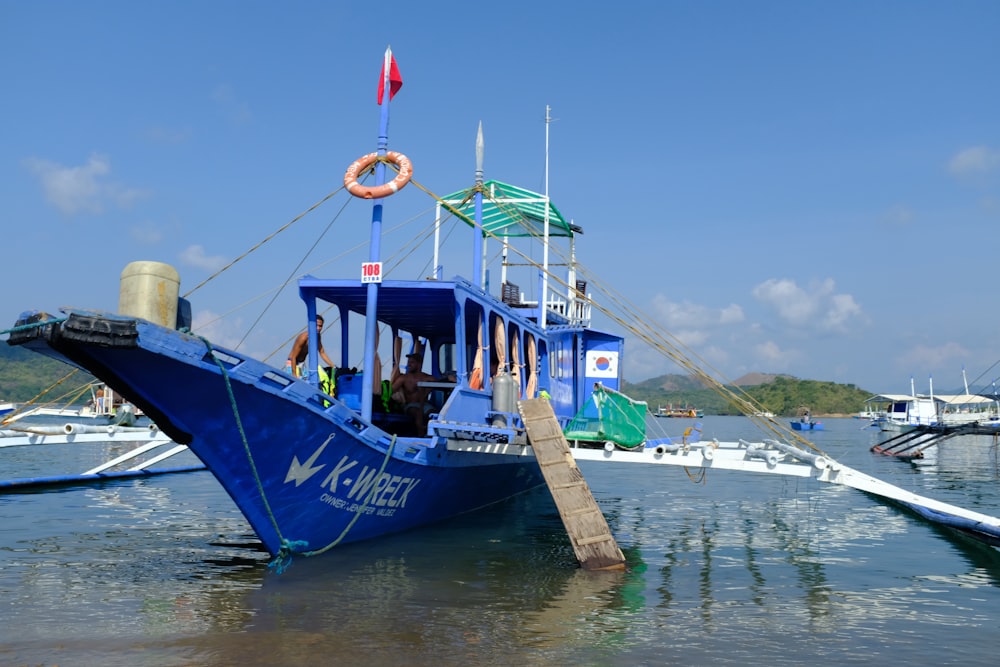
(575, 310)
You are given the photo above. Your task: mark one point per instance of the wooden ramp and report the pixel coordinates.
(588, 530)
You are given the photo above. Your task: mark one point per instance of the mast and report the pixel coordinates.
(571, 277)
(545, 229)
(479, 247)
(375, 250)
(438, 269)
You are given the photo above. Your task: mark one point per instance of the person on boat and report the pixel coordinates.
(414, 396)
(300, 350)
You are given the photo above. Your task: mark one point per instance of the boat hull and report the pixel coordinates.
(807, 426)
(305, 471)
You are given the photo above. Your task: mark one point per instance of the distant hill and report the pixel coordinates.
(754, 379)
(24, 374)
(781, 394)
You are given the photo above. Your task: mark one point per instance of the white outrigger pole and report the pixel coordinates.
(774, 457)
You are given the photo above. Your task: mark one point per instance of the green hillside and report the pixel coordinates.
(24, 374)
(781, 394)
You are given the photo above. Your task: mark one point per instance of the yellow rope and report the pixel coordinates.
(263, 241)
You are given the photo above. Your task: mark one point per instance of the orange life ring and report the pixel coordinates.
(378, 191)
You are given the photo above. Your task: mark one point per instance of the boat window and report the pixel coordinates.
(474, 341)
(516, 354)
(531, 359)
(498, 345)
(445, 359)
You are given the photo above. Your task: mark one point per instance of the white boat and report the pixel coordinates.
(103, 408)
(968, 408)
(962, 409)
(902, 412)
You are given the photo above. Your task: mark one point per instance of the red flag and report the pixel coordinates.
(395, 80)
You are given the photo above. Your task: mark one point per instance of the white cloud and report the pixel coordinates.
(82, 189)
(841, 309)
(817, 308)
(692, 325)
(923, 357)
(688, 315)
(793, 304)
(194, 255)
(219, 330)
(145, 233)
(974, 160)
(769, 352)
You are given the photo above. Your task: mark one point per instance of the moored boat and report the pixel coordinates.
(332, 456)
(805, 422)
(807, 426)
(310, 469)
(670, 411)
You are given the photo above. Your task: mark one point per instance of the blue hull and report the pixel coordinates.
(308, 474)
(807, 426)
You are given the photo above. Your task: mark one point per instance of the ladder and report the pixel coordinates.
(594, 545)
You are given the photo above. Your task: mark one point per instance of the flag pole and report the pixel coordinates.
(374, 248)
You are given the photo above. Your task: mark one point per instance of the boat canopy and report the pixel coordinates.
(511, 211)
(395, 302)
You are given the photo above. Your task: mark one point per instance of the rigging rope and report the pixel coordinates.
(639, 324)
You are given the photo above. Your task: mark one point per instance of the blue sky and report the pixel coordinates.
(808, 188)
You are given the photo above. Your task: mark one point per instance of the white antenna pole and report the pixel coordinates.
(965, 380)
(545, 232)
(480, 151)
(571, 277)
(437, 241)
(503, 261)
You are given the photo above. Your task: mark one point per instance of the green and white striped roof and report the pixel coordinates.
(510, 211)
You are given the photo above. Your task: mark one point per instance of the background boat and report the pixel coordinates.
(678, 412)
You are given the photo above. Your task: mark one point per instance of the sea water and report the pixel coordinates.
(725, 568)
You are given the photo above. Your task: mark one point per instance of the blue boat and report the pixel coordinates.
(807, 426)
(315, 457)
(312, 469)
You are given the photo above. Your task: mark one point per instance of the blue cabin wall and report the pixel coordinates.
(602, 356)
(580, 358)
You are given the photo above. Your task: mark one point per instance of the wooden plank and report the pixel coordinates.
(594, 545)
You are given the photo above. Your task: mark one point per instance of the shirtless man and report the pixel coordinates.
(414, 397)
(300, 349)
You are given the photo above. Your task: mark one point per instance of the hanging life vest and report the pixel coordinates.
(327, 383)
(386, 395)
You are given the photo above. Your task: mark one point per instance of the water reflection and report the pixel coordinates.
(740, 569)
